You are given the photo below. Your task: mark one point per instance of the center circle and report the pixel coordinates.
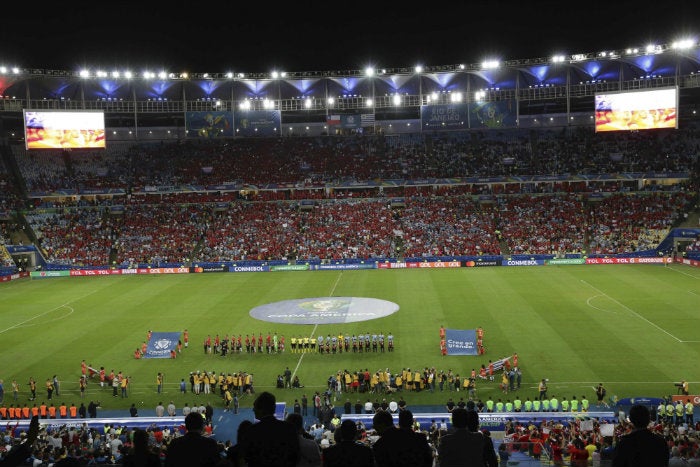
(324, 310)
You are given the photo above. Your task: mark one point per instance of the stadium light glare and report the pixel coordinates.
(369, 103)
(419, 69)
(683, 44)
(162, 75)
(84, 74)
(369, 71)
(308, 103)
(396, 99)
(115, 74)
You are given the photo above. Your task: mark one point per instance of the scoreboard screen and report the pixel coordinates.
(64, 129)
(637, 110)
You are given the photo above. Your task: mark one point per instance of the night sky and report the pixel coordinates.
(322, 36)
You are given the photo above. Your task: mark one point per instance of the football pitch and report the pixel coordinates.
(635, 328)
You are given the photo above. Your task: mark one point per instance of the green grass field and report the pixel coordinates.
(635, 328)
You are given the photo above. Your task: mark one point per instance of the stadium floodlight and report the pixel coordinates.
(128, 75)
(162, 75)
(419, 69)
(229, 75)
(245, 105)
(490, 64)
(558, 58)
(330, 101)
(84, 74)
(369, 71)
(456, 97)
(308, 103)
(683, 44)
(369, 102)
(101, 74)
(115, 74)
(396, 100)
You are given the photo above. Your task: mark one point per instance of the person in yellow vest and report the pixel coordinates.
(680, 413)
(689, 412)
(417, 381)
(408, 380)
(373, 382)
(670, 410)
(293, 342)
(574, 404)
(125, 386)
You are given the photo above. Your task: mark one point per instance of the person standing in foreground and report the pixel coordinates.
(309, 451)
(192, 449)
(466, 445)
(348, 451)
(269, 442)
(402, 447)
(640, 447)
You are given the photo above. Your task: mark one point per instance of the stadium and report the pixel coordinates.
(550, 203)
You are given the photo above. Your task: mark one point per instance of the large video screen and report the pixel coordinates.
(637, 110)
(64, 129)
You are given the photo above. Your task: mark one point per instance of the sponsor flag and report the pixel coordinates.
(499, 364)
(367, 119)
(333, 119)
(161, 343)
(461, 341)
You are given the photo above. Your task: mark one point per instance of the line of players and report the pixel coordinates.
(238, 344)
(362, 343)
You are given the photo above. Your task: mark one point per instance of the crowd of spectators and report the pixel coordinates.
(333, 198)
(314, 162)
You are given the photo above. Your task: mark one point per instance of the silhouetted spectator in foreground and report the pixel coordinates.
(640, 447)
(269, 442)
(193, 448)
(466, 445)
(403, 447)
(348, 451)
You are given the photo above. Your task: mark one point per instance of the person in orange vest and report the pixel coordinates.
(11, 412)
(63, 410)
(137, 354)
(52, 411)
(25, 411)
(35, 411)
(73, 410)
(43, 410)
(3, 412)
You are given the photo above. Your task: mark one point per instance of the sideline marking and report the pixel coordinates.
(313, 331)
(633, 312)
(681, 272)
(46, 312)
